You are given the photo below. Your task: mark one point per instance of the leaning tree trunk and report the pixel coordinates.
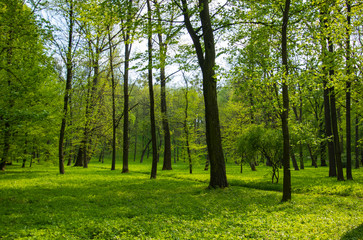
(285, 113)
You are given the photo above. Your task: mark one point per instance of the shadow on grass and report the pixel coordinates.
(354, 234)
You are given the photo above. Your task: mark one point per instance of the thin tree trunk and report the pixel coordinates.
(186, 131)
(312, 156)
(348, 97)
(143, 151)
(68, 88)
(285, 113)
(356, 141)
(113, 86)
(301, 156)
(125, 156)
(151, 95)
(135, 149)
(293, 158)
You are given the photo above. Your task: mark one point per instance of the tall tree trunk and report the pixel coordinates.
(113, 87)
(327, 94)
(136, 130)
(71, 150)
(69, 66)
(151, 95)
(165, 123)
(206, 60)
(348, 98)
(334, 121)
(356, 141)
(285, 113)
(125, 152)
(186, 130)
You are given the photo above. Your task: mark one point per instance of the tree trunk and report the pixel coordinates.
(151, 95)
(206, 60)
(356, 141)
(135, 148)
(327, 94)
(312, 156)
(334, 122)
(125, 155)
(186, 130)
(285, 113)
(348, 97)
(113, 86)
(69, 65)
(293, 158)
(301, 156)
(165, 123)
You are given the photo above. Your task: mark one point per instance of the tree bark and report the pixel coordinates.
(113, 86)
(151, 95)
(348, 97)
(356, 141)
(334, 122)
(206, 60)
(327, 94)
(285, 113)
(69, 66)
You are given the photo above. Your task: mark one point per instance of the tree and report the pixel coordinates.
(69, 67)
(206, 58)
(285, 112)
(151, 93)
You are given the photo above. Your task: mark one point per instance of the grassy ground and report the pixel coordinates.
(97, 203)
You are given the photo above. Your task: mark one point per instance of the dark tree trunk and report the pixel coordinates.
(165, 123)
(151, 95)
(334, 121)
(356, 141)
(206, 167)
(186, 130)
(113, 86)
(125, 153)
(312, 157)
(253, 166)
(327, 107)
(348, 97)
(206, 60)
(301, 156)
(135, 148)
(69, 66)
(71, 150)
(322, 145)
(293, 158)
(144, 151)
(285, 113)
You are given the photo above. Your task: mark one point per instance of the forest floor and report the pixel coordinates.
(97, 203)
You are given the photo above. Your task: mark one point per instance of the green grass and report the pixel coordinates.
(97, 203)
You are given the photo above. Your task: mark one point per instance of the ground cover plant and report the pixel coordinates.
(96, 203)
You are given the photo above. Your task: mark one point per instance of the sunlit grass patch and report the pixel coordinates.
(97, 203)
